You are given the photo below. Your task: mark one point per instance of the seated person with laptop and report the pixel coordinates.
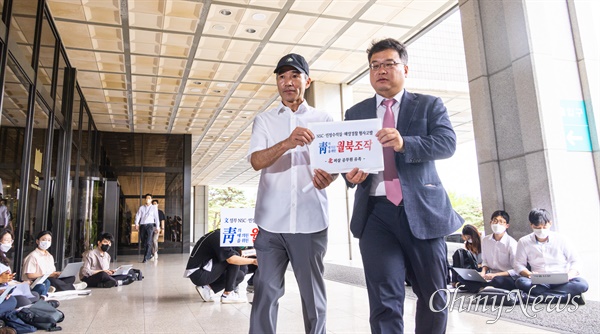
(96, 263)
(498, 252)
(535, 249)
(40, 263)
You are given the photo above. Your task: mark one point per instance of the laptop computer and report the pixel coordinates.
(469, 275)
(549, 278)
(72, 269)
(122, 270)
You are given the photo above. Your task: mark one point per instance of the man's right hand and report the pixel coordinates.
(136, 227)
(356, 176)
(300, 136)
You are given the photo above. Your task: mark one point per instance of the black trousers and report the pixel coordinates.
(391, 253)
(223, 276)
(101, 277)
(62, 284)
(146, 232)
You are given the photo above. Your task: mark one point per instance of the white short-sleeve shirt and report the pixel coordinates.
(38, 262)
(281, 206)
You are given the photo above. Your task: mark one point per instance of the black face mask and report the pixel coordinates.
(104, 248)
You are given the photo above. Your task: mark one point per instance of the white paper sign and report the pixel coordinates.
(238, 227)
(339, 147)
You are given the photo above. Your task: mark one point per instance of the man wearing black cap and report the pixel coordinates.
(293, 223)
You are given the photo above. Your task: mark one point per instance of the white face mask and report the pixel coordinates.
(470, 241)
(5, 247)
(541, 233)
(45, 244)
(498, 229)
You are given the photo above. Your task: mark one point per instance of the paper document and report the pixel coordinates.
(7, 291)
(339, 147)
(122, 270)
(40, 280)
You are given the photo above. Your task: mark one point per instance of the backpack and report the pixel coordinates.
(463, 258)
(12, 320)
(42, 315)
(136, 274)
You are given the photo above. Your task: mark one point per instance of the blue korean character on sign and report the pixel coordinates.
(228, 235)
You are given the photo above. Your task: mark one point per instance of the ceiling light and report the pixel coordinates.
(250, 30)
(197, 82)
(220, 84)
(225, 12)
(259, 16)
(195, 89)
(216, 91)
(219, 27)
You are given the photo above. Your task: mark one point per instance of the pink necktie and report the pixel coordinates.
(393, 189)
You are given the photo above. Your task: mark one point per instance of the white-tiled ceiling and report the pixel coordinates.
(205, 67)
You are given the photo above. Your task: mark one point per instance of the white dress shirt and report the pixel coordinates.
(147, 214)
(281, 206)
(553, 256)
(377, 185)
(499, 256)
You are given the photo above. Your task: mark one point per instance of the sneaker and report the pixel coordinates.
(250, 288)
(107, 284)
(232, 298)
(205, 292)
(80, 285)
(156, 256)
(51, 289)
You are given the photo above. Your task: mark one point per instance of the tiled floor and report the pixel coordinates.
(165, 302)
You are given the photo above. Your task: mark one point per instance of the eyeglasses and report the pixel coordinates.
(497, 221)
(386, 65)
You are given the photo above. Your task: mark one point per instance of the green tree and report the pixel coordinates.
(219, 198)
(469, 208)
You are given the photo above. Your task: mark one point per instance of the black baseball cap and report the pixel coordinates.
(295, 60)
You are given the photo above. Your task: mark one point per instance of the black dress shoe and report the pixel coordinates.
(578, 299)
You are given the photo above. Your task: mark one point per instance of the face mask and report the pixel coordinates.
(541, 233)
(5, 247)
(104, 247)
(45, 244)
(498, 229)
(470, 241)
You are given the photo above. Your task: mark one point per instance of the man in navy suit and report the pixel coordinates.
(402, 214)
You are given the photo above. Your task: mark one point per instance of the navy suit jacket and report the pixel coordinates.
(428, 135)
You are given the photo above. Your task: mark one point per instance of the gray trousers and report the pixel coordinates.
(305, 252)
